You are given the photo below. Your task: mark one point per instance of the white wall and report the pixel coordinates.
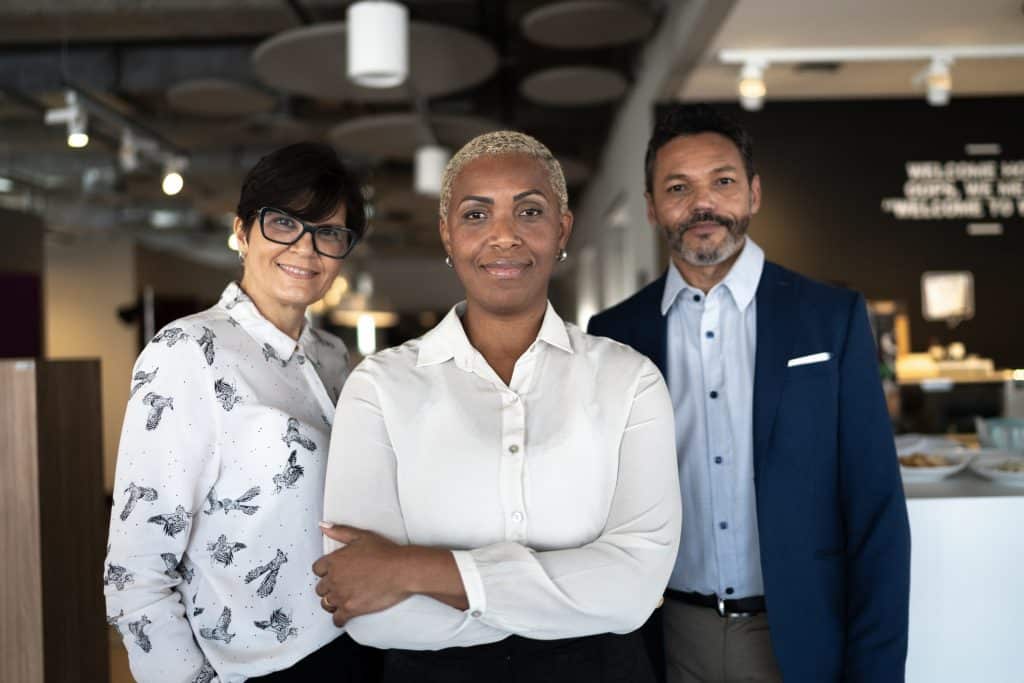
(84, 284)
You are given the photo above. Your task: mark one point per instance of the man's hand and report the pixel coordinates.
(363, 577)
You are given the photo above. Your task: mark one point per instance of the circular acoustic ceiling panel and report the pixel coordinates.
(586, 24)
(396, 136)
(218, 97)
(310, 61)
(573, 86)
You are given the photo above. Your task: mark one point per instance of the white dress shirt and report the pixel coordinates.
(710, 361)
(557, 492)
(217, 497)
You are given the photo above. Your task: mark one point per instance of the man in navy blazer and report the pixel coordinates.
(795, 551)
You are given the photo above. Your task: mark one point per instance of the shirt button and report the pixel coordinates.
(723, 525)
(696, 297)
(713, 394)
(718, 460)
(513, 449)
(709, 334)
(475, 614)
(517, 516)
(729, 591)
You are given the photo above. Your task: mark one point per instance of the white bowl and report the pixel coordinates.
(987, 460)
(957, 457)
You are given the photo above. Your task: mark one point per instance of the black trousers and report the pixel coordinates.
(340, 661)
(603, 658)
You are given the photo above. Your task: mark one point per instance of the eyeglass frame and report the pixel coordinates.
(307, 227)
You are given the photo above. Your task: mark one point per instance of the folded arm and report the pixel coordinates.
(610, 584)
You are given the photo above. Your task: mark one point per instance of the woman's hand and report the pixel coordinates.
(367, 575)
(371, 574)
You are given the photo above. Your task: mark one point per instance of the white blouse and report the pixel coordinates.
(558, 492)
(217, 497)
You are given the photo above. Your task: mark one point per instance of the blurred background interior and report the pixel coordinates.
(887, 135)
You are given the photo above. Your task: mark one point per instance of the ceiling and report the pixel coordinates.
(225, 81)
(195, 74)
(754, 24)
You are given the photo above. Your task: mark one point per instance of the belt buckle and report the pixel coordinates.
(722, 612)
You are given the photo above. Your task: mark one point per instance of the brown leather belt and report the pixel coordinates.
(743, 607)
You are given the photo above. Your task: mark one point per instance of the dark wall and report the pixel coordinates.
(21, 281)
(825, 168)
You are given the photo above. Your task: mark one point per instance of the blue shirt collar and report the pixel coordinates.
(741, 281)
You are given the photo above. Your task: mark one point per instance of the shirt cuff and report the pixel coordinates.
(471, 582)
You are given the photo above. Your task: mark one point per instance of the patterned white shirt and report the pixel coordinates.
(217, 496)
(558, 491)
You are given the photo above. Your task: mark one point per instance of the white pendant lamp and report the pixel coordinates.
(428, 168)
(378, 43)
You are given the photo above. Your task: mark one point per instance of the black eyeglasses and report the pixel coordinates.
(332, 241)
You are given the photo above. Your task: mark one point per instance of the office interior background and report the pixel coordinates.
(888, 136)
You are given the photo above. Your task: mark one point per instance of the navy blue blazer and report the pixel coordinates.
(832, 519)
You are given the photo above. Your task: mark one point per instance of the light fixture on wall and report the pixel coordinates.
(73, 114)
(936, 78)
(428, 169)
(751, 86)
(377, 38)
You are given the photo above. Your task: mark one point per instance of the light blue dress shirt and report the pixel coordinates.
(710, 362)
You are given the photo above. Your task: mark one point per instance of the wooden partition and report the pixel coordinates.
(53, 523)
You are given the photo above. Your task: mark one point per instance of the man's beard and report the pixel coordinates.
(708, 255)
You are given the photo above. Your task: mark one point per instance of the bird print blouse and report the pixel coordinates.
(217, 496)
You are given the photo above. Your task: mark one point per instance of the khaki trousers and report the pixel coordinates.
(702, 647)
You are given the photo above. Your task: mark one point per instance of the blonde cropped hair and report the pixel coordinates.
(499, 143)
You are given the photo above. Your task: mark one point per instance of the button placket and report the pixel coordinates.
(513, 419)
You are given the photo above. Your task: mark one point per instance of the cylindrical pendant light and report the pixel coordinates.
(429, 168)
(378, 43)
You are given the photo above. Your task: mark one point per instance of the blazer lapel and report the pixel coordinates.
(776, 333)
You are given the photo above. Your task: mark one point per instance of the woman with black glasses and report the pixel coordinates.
(220, 470)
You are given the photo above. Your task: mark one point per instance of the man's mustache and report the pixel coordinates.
(707, 217)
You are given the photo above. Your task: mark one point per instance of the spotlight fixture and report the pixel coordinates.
(751, 86)
(128, 152)
(939, 82)
(936, 77)
(377, 36)
(73, 114)
(173, 182)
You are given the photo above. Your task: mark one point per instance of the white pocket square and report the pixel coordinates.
(807, 360)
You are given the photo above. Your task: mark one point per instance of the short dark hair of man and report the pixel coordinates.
(307, 180)
(692, 119)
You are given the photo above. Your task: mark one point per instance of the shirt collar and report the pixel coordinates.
(237, 304)
(741, 281)
(448, 339)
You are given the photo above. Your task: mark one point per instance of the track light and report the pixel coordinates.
(173, 182)
(939, 82)
(128, 152)
(936, 78)
(751, 86)
(74, 115)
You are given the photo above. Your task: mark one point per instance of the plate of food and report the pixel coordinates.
(1003, 467)
(932, 465)
(906, 444)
